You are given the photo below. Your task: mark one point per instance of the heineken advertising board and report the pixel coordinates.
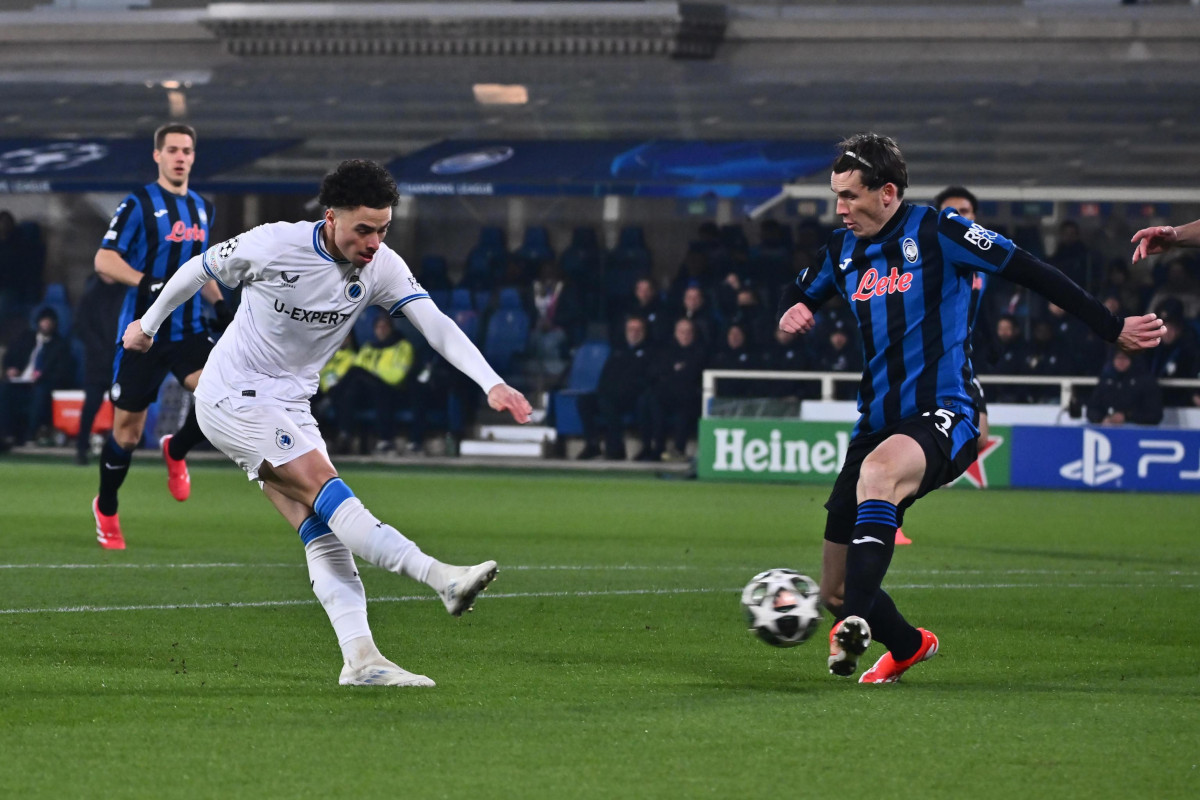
(812, 452)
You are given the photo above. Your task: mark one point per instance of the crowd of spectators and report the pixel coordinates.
(531, 308)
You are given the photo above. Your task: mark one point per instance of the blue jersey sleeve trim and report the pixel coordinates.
(210, 274)
(395, 310)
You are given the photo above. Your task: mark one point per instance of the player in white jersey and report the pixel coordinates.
(303, 286)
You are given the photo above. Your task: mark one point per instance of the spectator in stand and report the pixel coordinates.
(1181, 284)
(675, 396)
(36, 363)
(96, 329)
(623, 390)
(1120, 284)
(1081, 351)
(550, 343)
(785, 353)
(378, 381)
(648, 304)
(1072, 256)
(694, 271)
(22, 258)
(735, 354)
(1177, 357)
(752, 316)
(1047, 357)
(695, 309)
(841, 354)
(1127, 393)
(1010, 354)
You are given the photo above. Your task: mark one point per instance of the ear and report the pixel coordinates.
(889, 193)
(329, 217)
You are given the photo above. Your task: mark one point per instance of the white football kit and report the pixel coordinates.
(298, 305)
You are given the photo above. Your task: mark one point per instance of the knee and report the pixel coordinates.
(876, 478)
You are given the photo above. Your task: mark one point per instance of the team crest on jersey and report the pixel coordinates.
(911, 253)
(355, 291)
(283, 439)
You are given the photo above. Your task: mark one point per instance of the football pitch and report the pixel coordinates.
(610, 659)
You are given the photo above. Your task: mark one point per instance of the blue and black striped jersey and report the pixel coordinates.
(156, 231)
(910, 288)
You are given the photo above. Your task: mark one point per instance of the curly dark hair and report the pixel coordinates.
(356, 183)
(877, 157)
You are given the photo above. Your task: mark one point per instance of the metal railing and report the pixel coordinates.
(828, 380)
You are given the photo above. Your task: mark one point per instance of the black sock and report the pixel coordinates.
(114, 466)
(186, 437)
(891, 629)
(871, 546)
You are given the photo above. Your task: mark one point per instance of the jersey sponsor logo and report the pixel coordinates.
(355, 291)
(980, 236)
(845, 265)
(283, 439)
(182, 233)
(159, 213)
(873, 285)
(310, 316)
(911, 253)
(289, 281)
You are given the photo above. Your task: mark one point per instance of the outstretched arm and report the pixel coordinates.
(183, 284)
(449, 340)
(1161, 238)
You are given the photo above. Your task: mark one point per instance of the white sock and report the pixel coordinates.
(336, 584)
(378, 542)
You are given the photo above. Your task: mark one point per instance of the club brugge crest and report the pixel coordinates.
(355, 291)
(910, 250)
(283, 439)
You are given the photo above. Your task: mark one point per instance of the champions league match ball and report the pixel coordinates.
(783, 607)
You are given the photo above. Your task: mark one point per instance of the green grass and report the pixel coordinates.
(1068, 665)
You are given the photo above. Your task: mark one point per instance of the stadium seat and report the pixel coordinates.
(364, 326)
(508, 297)
(582, 379)
(486, 261)
(460, 300)
(534, 252)
(434, 274)
(507, 336)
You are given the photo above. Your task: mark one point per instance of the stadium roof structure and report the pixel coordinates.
(1040, 97)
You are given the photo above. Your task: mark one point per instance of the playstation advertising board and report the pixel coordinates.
(1131, 458)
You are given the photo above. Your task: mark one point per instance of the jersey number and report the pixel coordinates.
(944, 422)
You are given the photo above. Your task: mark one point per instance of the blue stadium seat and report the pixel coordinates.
(509, 297)
(364, 326)
(507, 336)
(460, 300)
(434, 274)
(583, 379)
(468, 321)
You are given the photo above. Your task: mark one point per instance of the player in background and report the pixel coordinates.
(303, 286)
(155, 229)
(906, 272)
(1161, 238)
(964, 202)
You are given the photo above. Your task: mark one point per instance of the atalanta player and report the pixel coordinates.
(156, 228)
(906, 272)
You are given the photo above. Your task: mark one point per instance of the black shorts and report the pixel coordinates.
(950, 445)
(138, 376)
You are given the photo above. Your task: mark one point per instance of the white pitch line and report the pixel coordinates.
(622, 568)
(583, 593)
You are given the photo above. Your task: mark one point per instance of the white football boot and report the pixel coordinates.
(463, 584)
(383, 673)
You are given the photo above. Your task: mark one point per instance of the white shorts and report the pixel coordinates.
(253, 432)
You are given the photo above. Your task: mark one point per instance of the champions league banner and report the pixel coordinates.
(680, 169)
(36, 166)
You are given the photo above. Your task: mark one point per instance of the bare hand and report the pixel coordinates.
(1141, 333)
(797, 319)
(503, 397)
(135, 338)
(1152, 241)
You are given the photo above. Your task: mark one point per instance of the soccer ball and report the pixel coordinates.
(782, 606)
